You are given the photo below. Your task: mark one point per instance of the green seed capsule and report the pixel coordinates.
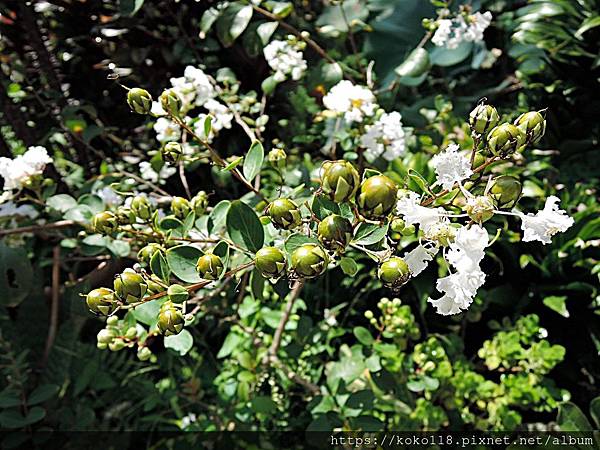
(144, 353)
(270, 262)
(209, 266)
(393, 272)
(532, 124)
(101, 301)
(339, 180)
(483, 118)
(309, 261)
(199, 203)
(505, 139)
(105, 223)
(170, 321)
(480, 208)
(335, 233)
(277, 158)
(146, 253)
(106, 336)
(506, 191)
(180, 207)
(177, 293)
(171, 102)
(141, 207)
(377, 197)
(285, 214)
(172, 152)
(139, 100)
(130, 286)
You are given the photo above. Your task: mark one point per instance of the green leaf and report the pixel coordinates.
(233, 22)
(420, 180)
(231, 342)
(557, 303)
(160, 267)
(80, 213)
(265, 31)
(323, 207)
(334, 21)
(119, 248)
(369, 233)
(61, 202)
(147, 313)
(416, 64)
(16, 275)
(254, 160)
(130, 7)
(181, 343)
(9, 398)
(296, 240)
(217, 217)
(207, 20)
(263, 404)
(442, 56)
(95, 203)
(244, 227)
(207, 125)
(570, 418)
(42, 393)
(588, 24)
(349, 266)
(222, 251)
(233, 164)
(182, 262)
(595, 411)
(363, 335)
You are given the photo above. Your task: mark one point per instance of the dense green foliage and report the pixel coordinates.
(315, 347)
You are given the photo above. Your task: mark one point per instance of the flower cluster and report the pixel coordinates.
(463, 28)
(384, 138)
(16, 172)
(285, 58)
(351, 101)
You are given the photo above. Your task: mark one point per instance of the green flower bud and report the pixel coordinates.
(112, 321)
(144, 353)
(309, 261)
(505, 139)
(532, 124)
(483, 118)
(171, 102)
(116, 345)
(130, 286)
(172, 152)
(368, 314)
(277, 158)
(131, 333)
(106, 336)
(209, 266)
(506, 191)
(335, 232)
(284, 213)
(177, 293)
(270, 262)
(101, 301)
(199, 203)
(139, 100)
(146, 253)
(170, 321)
(397, 225)
(124, 215)
(377, 197)
(180, 207)
(480, 208)
(141, 207)
(154, 286)
(393, 272)
(339, 180)
(105, 223)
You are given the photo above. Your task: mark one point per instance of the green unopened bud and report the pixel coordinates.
(393, 272)
(480, 208)
(483, 118)
(339, 180)
(506, 191)
(532, 124)
(277, 158)
(106, 336)
(101, 301)
(124, 215)
(131, 333)
(397, 225)
(170, 321)
(141, 207)
(112, 321)
(177, 293)
(505, 139)
(146, 253)
(116, 345)
(172, 152)
(368, 314)
(270, 262)
(335, 232)
(309, 261)
(284, 213)
(130, 286)
(377, 197)
(144, 353)
(199, 203)
(139, 100)
(154, 285)
(171, 102)
(209, 267)
(105, 223)
(180, 207)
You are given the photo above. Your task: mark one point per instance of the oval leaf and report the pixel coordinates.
(244, 227)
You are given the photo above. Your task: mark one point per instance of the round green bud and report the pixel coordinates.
(105, 223)
(154, 286)
(532, 124)
(171, 102)
(270, 262)
(397, 225)
(101, 301)
(285, 214)
(170, 321)
(377, 197)
(480, 208)
(409, 230)
(177, 293)
(393, 272)
(106, 336)
(199, 203)
(368, 314)
(309, 261)
(131, 333)
(335, 232)
(141, 207)
(112, 321)
(172, 152)
(146, 253)
(180, 207)
(483, 118)
(130, 286)
(339, 180)
(144, 353)
(139, 100)
(209, 266)
(277, 158)
(505, 139)
(116, 345)
(506, 191)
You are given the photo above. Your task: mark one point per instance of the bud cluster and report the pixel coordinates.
(396, 321)
(119, 334)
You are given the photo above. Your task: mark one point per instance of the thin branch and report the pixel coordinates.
(54, 303)
(36, 228)
(272, 354)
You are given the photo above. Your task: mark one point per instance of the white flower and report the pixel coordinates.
(442, 33)
(451, 167)
(157, 109)
(478, 23)
(385, 138)
(10, 209)
(418, 259)
(202, 84)
(413, 213)
(16, 171)
(468, 248)
(285, 59)
(167, 130)
(108, 196)
(452, 32)
(545, 223)
(354, 102)
(221, 115)
(148, 173)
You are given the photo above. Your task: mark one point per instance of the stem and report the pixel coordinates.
(55, 303)
(272, 354)
(35, 228)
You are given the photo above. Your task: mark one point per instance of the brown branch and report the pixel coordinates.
(272, 354)
(54, 305)
(36, 228)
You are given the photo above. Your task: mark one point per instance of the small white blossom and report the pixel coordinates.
(109, 196)
(413, 213)
(167, 130)
(285, 59)
(546, 222)
(442, 33)
(148, 173)
(418, 259)
(354, 102)
(221, 115)
(16, 171)
(451, 167)
(452, 32)
(384, 138)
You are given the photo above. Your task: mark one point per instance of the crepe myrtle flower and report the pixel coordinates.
(451, 166)
(351, 101)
